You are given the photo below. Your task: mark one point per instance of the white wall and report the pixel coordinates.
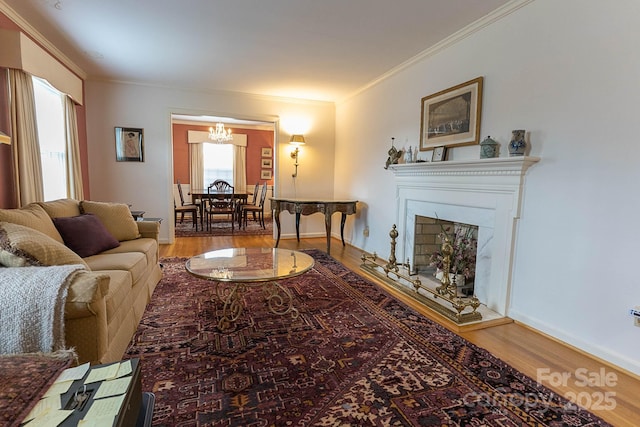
(148, 185)
(567, 72)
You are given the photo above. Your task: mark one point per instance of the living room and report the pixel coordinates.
(564, 71)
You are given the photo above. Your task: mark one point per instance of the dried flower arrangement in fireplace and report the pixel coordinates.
(465, 245)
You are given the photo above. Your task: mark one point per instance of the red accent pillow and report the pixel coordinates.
(85, 234)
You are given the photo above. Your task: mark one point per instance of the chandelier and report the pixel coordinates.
(220, 134)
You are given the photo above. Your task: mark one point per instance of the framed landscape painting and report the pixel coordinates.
(452, 116)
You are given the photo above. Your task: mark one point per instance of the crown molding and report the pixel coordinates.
(34, 34)
(456, 37)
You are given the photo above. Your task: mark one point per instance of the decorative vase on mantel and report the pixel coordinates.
(518, 145)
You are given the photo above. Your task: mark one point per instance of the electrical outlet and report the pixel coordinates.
(365, 232)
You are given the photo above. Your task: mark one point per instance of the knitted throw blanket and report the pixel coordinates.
(32, 307)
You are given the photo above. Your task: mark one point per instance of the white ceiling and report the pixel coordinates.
(312, 49)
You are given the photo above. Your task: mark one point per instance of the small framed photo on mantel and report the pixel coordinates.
(129, 145)
(439, 154)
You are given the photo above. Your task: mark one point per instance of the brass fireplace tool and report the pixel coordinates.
(444, 298)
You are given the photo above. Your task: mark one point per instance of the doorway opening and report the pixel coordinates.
(250, 158)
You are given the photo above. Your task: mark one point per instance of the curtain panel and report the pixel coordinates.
(27, 164)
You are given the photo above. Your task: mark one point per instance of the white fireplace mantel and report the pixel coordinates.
(483, 192)
(499, 166)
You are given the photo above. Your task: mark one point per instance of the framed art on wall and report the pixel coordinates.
(452, 116)
(266, 152)
(129, 145)
(265, 174)
(266, 163)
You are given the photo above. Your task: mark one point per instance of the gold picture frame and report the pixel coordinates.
(265, 174)
(452, 116)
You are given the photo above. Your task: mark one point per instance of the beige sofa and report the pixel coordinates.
(107, 298)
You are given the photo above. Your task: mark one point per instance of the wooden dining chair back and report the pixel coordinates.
(257, 210)
(220, 201)
(246, 202)
(219, 185)
(186, 209)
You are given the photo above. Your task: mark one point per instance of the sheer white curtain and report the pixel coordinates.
(240, 168)
(196, 165)
(26, 150)
(74, 171)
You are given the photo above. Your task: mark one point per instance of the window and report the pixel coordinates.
(51, 134)
(218, 163)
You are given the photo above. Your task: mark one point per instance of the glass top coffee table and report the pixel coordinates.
(236, 269)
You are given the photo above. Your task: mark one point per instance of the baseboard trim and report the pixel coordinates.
(595, 352)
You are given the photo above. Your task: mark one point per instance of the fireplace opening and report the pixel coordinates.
(427, 251)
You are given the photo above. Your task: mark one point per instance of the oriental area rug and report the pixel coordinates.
(24, 378)
(223, 228)
(354, 356)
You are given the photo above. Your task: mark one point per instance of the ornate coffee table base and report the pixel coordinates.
(279, 300)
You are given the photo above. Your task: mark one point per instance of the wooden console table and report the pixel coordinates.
(310, 206)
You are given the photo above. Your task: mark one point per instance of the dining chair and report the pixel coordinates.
(242, 203)
(256, 209)
(190, 209)
(187, 207)
(220, 201)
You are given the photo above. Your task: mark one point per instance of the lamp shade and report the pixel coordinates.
(297, 140)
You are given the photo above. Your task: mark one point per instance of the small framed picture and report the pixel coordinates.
(265, 174)
(439, 154)
(266, 152)
(129, 145)
(266, 163)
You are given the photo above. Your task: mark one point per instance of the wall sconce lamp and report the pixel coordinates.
(296, 140)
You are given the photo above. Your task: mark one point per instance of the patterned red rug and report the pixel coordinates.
(223, 228)
(24, 378)
(354, 357)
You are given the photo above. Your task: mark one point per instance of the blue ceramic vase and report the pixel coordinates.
(518, 145)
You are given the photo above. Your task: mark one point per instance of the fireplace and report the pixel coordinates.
(485, 193)
(428, 241)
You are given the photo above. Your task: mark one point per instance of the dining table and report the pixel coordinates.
(202, 194)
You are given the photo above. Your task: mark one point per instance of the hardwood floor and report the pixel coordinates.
(612, 390)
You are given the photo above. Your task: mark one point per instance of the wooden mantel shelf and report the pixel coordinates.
(495, 166)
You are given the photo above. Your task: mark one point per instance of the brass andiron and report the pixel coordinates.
(443, 299)
(447, 287)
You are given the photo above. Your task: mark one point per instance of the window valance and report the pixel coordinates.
(21, 53)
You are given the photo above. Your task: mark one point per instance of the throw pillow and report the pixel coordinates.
(21, 246)
(115, 216)
(61, 207)
(32, 216)
(85, 234)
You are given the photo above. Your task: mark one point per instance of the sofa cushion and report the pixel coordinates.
(135, 263)
(149, 247)
(85, 234)
(21, 246)
(61, 207)
(32, 216)
(115, 216)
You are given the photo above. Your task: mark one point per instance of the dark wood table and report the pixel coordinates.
(309, 206)
(203, 194)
